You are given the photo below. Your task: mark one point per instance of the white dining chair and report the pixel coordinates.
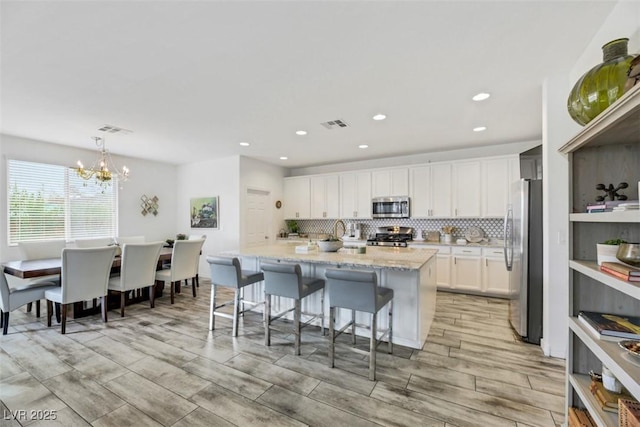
(137, 270)
(40, 249)
(197, 277)
(15, 297)
(94, 242)
(184, 264)
(84, 276)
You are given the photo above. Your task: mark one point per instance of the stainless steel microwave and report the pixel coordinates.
(390, 207)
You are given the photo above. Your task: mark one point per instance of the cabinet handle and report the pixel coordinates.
(324, 214)
(355, 214)
(466, 251)
(486, 262)
(455, 211)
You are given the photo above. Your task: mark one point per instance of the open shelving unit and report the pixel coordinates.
(607, 150)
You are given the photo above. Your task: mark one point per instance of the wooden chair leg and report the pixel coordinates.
(1, 318)
(123, 300)
(172, 292)
(38, 308)
(49, 312)
(103, 301)
(267, 319)
(296, 326)
(58, 319)
(197, 281)
(29, 306)
(63, 310)
(236, 309)
(373, 344)
(5, 322)
(332, 338)
(212, 308)
(193, 287)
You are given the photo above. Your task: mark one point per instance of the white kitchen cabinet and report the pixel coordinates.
(297, 198)
(466, 269)
(495, 277)
(325, 196)
(390, 182)
(430, 191)
(355, 195)
(606, 150)
(496, 186)
(467, 189)
(443, 263)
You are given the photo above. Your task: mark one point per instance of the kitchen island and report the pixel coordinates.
(411, 273)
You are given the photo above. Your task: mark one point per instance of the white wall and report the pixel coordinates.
(558, 128)
(415, 159)
(258, 175)
(216, 177)
(147, 177)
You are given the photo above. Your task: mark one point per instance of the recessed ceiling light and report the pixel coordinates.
(363, 146)
(245, 144)
(301, 132)
(479, 128)
(283, 158)
(379, 117)
(481, 96)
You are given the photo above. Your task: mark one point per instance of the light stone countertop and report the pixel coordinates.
(490, 244)
(375, 257)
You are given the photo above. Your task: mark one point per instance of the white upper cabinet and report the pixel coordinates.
(390, 182)
(297, 198)
(325, 196)
(496, 185)
(355, 195)
(430, 191)
(467, 189)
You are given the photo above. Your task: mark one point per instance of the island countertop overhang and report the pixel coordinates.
(375, 257)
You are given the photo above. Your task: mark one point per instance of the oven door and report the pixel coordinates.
(390, 207)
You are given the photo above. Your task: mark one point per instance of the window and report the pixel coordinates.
(52, 202)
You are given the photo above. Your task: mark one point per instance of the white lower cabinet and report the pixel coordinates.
(443, 269)
(495, 277)
(466, 269)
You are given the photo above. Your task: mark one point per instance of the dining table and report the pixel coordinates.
(34, 268)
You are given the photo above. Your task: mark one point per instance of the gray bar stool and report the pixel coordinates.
(358, 291)
(286, 280)
(227, 272)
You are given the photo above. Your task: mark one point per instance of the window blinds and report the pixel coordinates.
(52, 202)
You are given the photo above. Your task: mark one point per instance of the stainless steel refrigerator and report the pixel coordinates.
(523, 257)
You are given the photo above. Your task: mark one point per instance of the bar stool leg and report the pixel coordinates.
(332, 339)
(372, 347)
(267, 319)
(322, 311)
(212, 308)
(391, 327)
(236, 309)
(353, 326)
(296, 325)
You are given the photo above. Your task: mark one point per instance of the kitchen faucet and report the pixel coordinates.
(335, 228)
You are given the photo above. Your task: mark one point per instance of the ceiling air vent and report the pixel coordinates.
(334, 124)
(114, 129)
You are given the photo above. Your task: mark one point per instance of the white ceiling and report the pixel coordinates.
(193, 79)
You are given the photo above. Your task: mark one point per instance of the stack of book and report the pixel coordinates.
(608, 400)
(612, 205)
(580, 418)
(611, 327)
(630, 206)
(621, 271)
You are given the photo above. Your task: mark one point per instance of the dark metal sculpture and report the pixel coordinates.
(611, 192)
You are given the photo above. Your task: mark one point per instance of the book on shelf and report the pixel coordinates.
(619, 275)
(580, 418)
(607, 400)
(622, 268)
(609, 205)
(611, 327)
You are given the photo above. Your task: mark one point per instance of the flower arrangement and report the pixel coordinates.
(448, 229)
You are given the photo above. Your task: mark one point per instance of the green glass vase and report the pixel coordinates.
(602, 85)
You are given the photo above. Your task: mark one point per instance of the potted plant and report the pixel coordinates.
(292, 224)
(606, 251)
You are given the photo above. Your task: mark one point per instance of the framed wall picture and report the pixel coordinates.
(204, 212)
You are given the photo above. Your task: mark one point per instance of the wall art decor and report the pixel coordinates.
(204, 212)
(149, 205)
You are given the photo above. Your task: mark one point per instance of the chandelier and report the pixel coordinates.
(103, 168)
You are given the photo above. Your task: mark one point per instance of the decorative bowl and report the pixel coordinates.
(329, 246)
(631, 346)
(629, 253)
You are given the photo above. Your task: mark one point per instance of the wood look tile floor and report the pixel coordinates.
(163, 367)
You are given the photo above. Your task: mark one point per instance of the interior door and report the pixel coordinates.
(257, 221)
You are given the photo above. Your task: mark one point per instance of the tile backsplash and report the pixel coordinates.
(493, 227)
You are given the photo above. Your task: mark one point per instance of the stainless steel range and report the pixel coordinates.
(393, 236)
